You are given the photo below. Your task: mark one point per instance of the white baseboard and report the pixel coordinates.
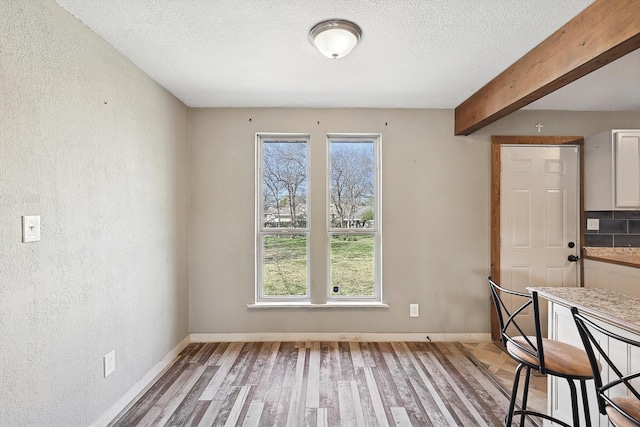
(345, 336)
(427, 337)
(140, 386)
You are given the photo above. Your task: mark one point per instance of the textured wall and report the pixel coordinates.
(99, 150)
(436, 197)
(435, 221)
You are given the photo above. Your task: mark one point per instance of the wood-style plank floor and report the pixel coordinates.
(327, 384)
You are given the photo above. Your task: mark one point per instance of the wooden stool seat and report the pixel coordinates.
(560, 359)
(537, 353)
(630, 405)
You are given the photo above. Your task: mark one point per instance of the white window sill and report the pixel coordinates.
(331, 304)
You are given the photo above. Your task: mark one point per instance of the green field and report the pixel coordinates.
(285, 269)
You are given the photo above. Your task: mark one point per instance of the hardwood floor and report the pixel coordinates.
(327, 384)
(502, 367)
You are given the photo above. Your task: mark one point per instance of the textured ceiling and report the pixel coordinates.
(255, 53)
(614, 87)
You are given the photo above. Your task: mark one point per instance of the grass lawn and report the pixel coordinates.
(285, 269)
(285, 266)
(352, 265)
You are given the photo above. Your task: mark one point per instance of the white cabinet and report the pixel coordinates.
(612, 171)
(562, 327)
(614, 277)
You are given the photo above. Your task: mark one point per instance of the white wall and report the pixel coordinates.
(435, 221)
(99, 151)
(436, 197)
(574, 123)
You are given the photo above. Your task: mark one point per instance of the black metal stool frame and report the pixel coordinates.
(585, 325)
(536, 350)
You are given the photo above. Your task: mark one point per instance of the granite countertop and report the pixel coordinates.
(614, 308)
(624, 256)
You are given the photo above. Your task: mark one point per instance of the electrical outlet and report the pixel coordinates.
(593, 224)
(414, 310)
(109, 363)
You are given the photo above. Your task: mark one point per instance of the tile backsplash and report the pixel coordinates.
(617, 229)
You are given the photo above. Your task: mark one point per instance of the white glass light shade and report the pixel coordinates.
(335, 43)
(335, 38)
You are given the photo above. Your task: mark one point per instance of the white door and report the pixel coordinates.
(539, 218)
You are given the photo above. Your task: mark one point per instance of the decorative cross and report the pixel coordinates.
(539, 126)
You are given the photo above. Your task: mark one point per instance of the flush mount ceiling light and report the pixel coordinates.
(335, 38)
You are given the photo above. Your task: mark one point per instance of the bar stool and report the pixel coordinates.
(618, 399)
(546, 356)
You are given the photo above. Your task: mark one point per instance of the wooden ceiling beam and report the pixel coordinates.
(602, 33)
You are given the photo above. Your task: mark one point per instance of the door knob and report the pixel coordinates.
(573, 258)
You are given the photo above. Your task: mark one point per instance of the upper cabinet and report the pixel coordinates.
(612, 171)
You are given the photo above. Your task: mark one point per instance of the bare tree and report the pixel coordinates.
(285, 178)
(272, 188)
(351, 180)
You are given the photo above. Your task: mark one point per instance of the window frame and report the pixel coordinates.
(261, 231)
(376, 230)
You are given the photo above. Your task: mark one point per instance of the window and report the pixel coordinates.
(283, 231)
(350, 269)
(354, 218)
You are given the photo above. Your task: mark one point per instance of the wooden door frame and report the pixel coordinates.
(496, 142)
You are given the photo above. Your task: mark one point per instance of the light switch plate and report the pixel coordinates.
(30, 228)
(593, 224)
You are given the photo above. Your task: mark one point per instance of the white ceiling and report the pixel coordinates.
(413, 53)
(614, 87)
